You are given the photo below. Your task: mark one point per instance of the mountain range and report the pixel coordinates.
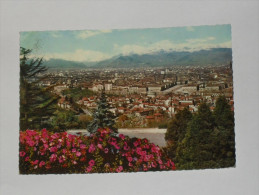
(215, 56)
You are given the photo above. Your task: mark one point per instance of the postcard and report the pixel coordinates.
(126, 100)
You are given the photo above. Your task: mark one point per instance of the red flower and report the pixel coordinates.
(42, 163)
(22, 153)
(91, 148)
(89, 169)
(119, 169)
(53, 149)
(91, 163)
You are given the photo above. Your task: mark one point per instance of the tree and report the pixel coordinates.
(102, 117)
(224, 135)
(36, 103)
(196, 150)
(64, 120)
(176, 130)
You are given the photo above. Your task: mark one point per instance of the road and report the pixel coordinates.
(154, 135)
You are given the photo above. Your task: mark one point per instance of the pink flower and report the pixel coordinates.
(100, 146)
(135, 143)
(106, 150)
(22, 153)
(139, 151)
(91, 148)
(160, 161)
(35, 162)
(68, 143)
(153, 164)
(154, 149)
(126, 148)
(46, 146)
(119, 169)
(27, 158)
(116, 146)
(162, 166)
(42, 163)
(30, 143)
(91, 163)
(129, 158)
(74, 150)
(82, 146)
(53, 149)
(89, 169)
(61, 159)
(53, 157)
(122, 136)
(55, 136)
(44, 133)
(78, 153)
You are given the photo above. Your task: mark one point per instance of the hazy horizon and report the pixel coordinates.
(98, 45)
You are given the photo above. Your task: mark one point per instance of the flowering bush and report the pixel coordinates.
(44, 152)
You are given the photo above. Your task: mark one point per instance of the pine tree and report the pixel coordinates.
(196, 150)
(176, 130)
(102, 117)
(224, 135)
(35, 102)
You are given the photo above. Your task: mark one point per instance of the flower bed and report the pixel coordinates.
(44, 152)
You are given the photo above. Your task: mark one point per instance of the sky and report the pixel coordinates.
(97, 45)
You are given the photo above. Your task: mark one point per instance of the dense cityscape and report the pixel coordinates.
(143, 97)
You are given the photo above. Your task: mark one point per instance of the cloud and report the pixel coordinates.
(78, 55)
(189, 28)
(200, 40)
(190, 45)
(89, 33)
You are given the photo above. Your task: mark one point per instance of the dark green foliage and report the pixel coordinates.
(209, 141)
(77, 93)
(196, 148)
(64, 120)
(37, 104)
(176, 130)
(224, 133)
(102, 117)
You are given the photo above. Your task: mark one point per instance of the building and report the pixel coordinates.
(108, 87)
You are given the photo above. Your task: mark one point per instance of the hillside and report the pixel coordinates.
(204, 57)
(216, 56)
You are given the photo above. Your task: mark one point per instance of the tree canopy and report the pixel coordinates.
(203, 140)
(37, 104)
(102, 117)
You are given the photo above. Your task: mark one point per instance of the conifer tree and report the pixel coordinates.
(196, 150)
(35, 102)
(224, 136)
(102, 117)
(176, 130)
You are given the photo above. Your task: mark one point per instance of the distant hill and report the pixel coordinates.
(215, 56)
(64, 64)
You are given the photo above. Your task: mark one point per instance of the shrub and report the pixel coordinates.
(44, 152)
